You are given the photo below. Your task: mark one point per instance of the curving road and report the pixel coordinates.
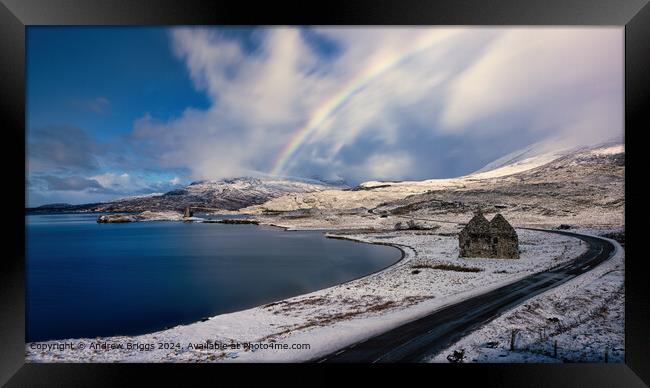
(440, 329)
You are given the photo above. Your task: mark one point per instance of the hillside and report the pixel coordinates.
(584, 187)
(226, 194)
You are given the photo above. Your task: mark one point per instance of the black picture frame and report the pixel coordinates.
(15, 15)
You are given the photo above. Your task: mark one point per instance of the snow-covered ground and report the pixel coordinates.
(224, 194)
(329, 319)
(148, 215)
(589, 169)
(579, 321)
(160, 216)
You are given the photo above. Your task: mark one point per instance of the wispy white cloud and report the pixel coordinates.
(115, 181)
(98, 105)
(558, 80)
(100, 187)
(62, 148)
(257, 100)
(385, 166)
(394, 90)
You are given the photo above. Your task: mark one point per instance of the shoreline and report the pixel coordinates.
(400, 261)
(324, 233)
(306, 320)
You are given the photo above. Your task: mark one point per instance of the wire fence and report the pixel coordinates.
(542, 339)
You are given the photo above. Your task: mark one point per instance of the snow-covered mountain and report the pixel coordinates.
(583, 186)
(584, 183)
(225, 194)
(132, 197)
(540, 153)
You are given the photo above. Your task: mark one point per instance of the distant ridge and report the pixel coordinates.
(549, 149)
(225, 194)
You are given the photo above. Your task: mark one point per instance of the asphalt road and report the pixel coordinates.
(438, 330)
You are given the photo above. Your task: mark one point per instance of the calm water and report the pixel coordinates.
(86, 279)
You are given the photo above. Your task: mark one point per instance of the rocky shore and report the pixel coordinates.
(144, 216)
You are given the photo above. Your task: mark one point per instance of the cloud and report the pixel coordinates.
(107, 183)
(70, 183)
(126, 184)
(515, 85)
(98, 105)
(550, 80)
(49, 188)
(114, 181)
(65, 164)
(258, 98)
(261, 97)
(388, 167)
(61, 148)
(386, 88)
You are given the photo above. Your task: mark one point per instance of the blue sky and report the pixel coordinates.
(115, 111)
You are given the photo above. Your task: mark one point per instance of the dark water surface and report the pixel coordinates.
(86, 279)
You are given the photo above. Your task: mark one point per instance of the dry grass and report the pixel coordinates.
(448, 267)
(371, 305)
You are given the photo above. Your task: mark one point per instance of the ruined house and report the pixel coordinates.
(475, 239)
(495, 239)
(505, 242)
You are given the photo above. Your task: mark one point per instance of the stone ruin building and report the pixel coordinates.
(483, 238)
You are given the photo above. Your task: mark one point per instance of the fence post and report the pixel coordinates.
(555, 349)
(606, 355)
(512, 339)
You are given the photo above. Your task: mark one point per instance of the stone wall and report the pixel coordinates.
(475, 246)
(494, 239)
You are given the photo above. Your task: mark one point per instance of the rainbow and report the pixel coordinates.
(373, 71)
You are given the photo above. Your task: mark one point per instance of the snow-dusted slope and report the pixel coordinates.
(581, 188)
(584, 185)
(537, 154)
(132, 197)
(541, 152)
(226, 194)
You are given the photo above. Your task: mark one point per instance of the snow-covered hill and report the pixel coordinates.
(225, 194)
(537, 154)
(583, 186)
